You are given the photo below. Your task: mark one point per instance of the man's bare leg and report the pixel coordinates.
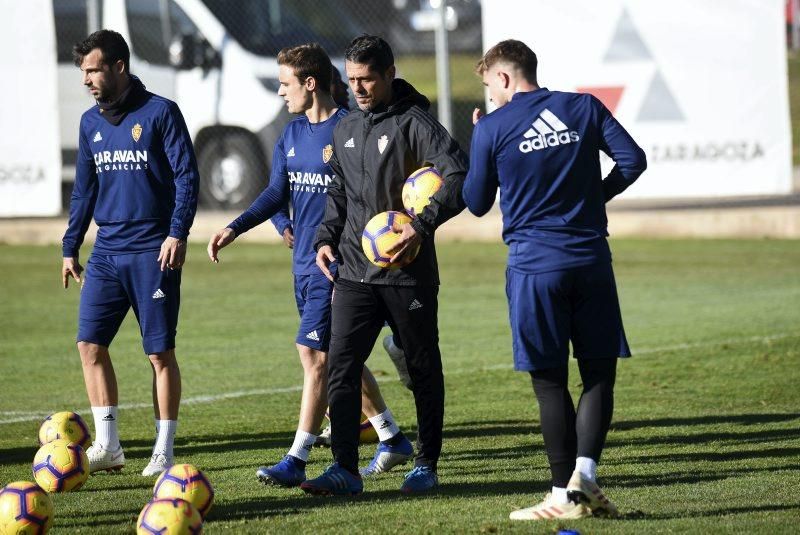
(166, 403)
(290, 472)
(105, 453)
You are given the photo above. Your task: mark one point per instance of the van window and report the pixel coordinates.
(72, 26)
(180, 23)
(153, 25)
(265, 26)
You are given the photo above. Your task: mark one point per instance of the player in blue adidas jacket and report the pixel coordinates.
(541, 149)
(300, 171)
(137, 176)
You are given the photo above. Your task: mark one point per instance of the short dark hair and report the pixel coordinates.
(510, 51)
(370, 50)
(110, 43)
(309, 60)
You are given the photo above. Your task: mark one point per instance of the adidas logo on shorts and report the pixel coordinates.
(313, 336)
(414, 305)
(547, 131)
(159, 294)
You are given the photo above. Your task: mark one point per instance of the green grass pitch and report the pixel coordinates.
(706, 431)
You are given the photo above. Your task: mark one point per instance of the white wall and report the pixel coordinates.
(30, 158)
(700, 84)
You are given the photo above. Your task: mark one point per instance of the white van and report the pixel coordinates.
(216, 59)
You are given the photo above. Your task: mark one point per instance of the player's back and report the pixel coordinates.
(546, 147)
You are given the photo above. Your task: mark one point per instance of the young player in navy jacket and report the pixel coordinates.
(137, 176)
(541, 149)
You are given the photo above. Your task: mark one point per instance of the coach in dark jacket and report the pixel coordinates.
(374, 149)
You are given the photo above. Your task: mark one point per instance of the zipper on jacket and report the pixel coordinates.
(367, 129)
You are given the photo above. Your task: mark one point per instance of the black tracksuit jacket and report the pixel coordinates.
(370, 180)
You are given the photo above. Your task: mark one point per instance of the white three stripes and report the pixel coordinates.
(546, 123)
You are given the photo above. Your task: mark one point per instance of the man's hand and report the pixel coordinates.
(219, 240)
(288, 238)
(324, 259)
(476, 114)
(173, 253)
(71, 267)
(407, 244)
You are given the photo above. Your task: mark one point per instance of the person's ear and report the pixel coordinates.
(505, 79)
(311, 83)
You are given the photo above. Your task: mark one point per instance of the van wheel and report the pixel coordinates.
(232, 171)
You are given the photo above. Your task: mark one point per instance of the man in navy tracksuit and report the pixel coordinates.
(541, 149)
(136, 174)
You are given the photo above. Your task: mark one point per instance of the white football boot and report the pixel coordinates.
(547, 510)
(581, 489)
(158, 463)
(102, 459)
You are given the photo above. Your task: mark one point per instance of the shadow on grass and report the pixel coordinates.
(17, 455)
(691, 477)
(759, 436)
(640, 515)
(717, 456)
(492, 428)
(107, 517)
(482, 454)
(742, 419)
(268, 507)
(142, 484)
(184, 446)
(189, 445)
(96, 523)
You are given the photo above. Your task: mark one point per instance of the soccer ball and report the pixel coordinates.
(186, 482)
(367, 434)
(379, 236)
(67, 425)
(169, 517)
(24, 508)
(418, 189)
(60, 466)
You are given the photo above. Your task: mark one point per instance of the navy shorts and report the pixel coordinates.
(548, 310)
(115, 283)
(313, 296)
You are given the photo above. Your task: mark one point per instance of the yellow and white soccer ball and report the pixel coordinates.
(169, 516)
(186, 482)
(379, 236)
(67, 425)
(419, 188)
(60, 466)
(367, 434)
(24, 509)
